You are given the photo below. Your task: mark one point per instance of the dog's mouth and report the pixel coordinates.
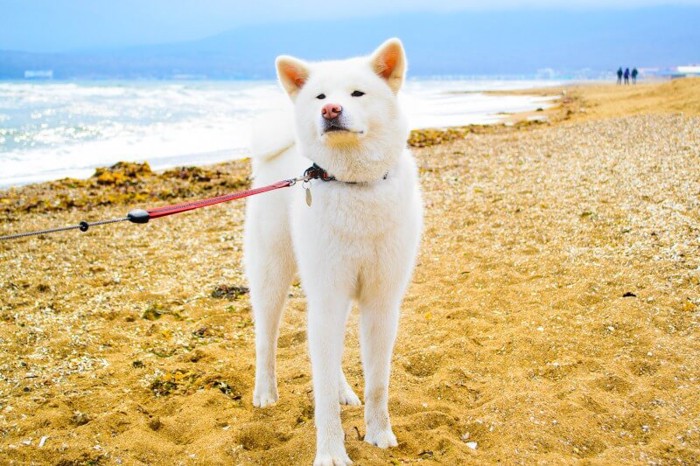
(337, 127)
(332, 129)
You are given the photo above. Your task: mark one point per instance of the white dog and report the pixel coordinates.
(353, 235)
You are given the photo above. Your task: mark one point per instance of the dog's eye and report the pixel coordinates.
(357, 94)
(321, 96)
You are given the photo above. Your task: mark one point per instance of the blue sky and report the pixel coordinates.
(63, 25)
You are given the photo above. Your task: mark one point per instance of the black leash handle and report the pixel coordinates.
(134, 216)
(82, 226)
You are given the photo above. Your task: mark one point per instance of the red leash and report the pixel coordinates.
(176, 209)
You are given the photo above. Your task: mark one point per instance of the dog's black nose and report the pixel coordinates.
(331, 111)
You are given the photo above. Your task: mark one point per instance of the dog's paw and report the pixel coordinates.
(381, 439)
(332, 460)
(347, 396)
(263, 399)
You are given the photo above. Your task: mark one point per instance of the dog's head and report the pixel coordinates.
(347, 114)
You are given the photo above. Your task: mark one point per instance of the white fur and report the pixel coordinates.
(355, 243)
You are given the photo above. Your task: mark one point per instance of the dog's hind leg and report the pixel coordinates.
(268, 291)
(379, 319)
(270, 268)
(346, 394)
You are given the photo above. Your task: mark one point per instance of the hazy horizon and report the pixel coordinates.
(62, 26)
(217, 39)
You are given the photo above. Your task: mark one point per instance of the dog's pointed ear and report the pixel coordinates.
(389, 62)
(292, 73)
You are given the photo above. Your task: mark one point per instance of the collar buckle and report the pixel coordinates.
(314, 172)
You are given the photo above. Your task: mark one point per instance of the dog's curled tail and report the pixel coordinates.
(271, 135)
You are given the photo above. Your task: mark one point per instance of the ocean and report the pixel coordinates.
(51, 130)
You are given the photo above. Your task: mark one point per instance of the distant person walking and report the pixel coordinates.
(634, 75)
(627, 75)
(619, 75)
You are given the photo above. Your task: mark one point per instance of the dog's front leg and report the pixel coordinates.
(326, 332)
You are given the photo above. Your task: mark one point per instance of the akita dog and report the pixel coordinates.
(352, 235)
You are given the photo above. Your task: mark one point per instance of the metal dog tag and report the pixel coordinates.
(308, 197)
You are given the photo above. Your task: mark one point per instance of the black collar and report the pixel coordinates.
(314, 172)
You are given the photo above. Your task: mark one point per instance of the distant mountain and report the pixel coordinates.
(465, 43)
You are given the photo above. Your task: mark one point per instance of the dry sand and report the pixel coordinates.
(552, 319)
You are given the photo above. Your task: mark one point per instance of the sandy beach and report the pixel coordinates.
(553, 317)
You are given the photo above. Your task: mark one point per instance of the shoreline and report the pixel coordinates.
(137, 183)
(208, 122)
(576, 101)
